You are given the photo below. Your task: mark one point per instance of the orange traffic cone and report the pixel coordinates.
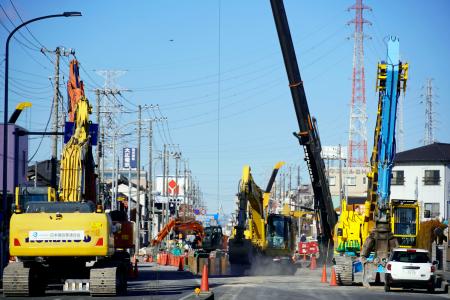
(180, 263)
(204, 286)
(324, 274)
(333, 277)
(313, 264)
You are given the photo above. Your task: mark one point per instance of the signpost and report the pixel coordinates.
(129, 158)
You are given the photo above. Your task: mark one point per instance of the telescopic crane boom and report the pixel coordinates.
(308, 135)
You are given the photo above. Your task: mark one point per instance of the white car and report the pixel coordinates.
(410, 268)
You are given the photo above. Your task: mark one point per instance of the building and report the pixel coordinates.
(352, 182)
(423, 174)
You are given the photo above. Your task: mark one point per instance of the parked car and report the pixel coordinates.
(410, 268)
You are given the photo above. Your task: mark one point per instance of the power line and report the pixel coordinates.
(14, 25)
(45, 131)
(26, 27)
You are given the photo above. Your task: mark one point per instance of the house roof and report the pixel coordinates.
(436, 152)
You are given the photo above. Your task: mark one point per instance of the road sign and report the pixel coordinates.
(130, 158)
(69, 130)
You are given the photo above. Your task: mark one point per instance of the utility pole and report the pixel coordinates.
(55, 115)
(150, 175)
(54, 158)
(97, 114)
(187, 209)
(99, 149)
(167, 184)
(138, 201)
(177, 157)
(164, 204)
(290, 179)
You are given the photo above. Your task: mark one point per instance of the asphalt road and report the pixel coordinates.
(156, 282)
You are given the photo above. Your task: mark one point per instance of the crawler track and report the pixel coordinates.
(20, 280)
(344, 270)
(107, 281)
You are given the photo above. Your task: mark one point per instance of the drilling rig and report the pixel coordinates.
(308, 136)
(366, 234)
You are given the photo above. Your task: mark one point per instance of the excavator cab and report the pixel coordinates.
(279, 232)
(405, 222)
(213, 238)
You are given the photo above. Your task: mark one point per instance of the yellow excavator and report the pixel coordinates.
(68, 239)
(260, 237)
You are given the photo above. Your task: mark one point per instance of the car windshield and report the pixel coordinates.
(410, 257)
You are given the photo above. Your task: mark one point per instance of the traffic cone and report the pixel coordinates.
(180, 263)
(333, 277)
(204, 286)
(324, 274)
(313, 264)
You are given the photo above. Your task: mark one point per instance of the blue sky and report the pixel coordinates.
(171, 52)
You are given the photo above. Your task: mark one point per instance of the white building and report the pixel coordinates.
(423, 174)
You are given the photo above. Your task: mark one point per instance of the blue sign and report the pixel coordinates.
(129, 158)
(69, 129)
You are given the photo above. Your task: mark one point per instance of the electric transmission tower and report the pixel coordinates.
(429, 115)
(357, 140)
(107, 113)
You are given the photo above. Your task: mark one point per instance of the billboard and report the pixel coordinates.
(69, 128)
(174, 186)
(129, 158)
(332, 152)
(208, 219)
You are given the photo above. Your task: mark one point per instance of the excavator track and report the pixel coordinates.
(344, 270)
(19, 280)
(108, 281)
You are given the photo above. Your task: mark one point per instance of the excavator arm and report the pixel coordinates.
(77, 182)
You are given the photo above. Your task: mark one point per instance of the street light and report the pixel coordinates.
(5, 112)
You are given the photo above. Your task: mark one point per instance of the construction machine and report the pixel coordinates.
(179, 225)
(308, 136)
(259, 234)
(213, 239)
(68, 239)
(370, 227)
